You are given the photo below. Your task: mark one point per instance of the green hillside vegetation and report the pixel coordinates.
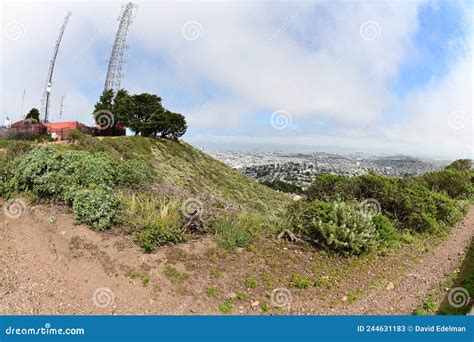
(164, 191)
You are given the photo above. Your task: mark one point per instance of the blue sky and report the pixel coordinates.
(377, 77)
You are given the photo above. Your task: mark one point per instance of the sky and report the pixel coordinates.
(378, 77)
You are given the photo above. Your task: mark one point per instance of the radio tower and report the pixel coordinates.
(45, 102)
(114, 71)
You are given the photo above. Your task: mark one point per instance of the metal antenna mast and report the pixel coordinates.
(114, 71)
(45, 103)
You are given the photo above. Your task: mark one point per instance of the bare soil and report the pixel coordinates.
(51, 266)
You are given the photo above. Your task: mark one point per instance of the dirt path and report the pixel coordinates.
(51, 266)
(410, 290)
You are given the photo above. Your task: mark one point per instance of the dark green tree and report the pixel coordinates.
(33, 114)
(142, 113)
(173, 125)
(105, 103)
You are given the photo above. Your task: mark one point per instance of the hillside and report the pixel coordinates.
(179, 166)
(100, 225)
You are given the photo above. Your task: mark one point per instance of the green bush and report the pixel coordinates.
(76, 135)
(77, 178)
(451, 181)
(302, 213)
(97, 207)
(387, 233)
(133, 172)
(406, 201)
(329, 187)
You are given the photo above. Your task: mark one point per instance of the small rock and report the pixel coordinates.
(255, 303)
(344, 299)
(285, 248)
(390, 286)
(232, 295)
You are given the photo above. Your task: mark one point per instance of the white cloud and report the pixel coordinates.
(250, 58)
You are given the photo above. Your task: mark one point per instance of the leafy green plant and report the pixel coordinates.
(97, 207)
(349, 230)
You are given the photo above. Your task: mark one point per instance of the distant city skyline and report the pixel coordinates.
(387, 77)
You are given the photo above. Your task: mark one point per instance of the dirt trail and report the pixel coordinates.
(51, 266)
(411, 288)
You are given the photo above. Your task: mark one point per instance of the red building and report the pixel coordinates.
(61, 130)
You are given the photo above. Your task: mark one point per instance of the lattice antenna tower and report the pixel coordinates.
(114, 70)
(45, 102)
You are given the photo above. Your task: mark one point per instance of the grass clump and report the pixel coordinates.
(227, 306)
(154, 220)
(236, 231)
(251, 282)
(300, 282)
(173, 274)
(427, 308)
(212, 291)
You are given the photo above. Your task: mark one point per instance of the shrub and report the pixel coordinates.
(387, 233)
(82, 179)
(302, 213)
(76, 135)
(133, 172)
(329, 187)
(282, 186)
(453, 181)
(349, 230)
(339, 226)
(97, 207)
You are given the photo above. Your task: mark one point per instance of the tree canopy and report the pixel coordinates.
(33, 114)
(143, 113)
